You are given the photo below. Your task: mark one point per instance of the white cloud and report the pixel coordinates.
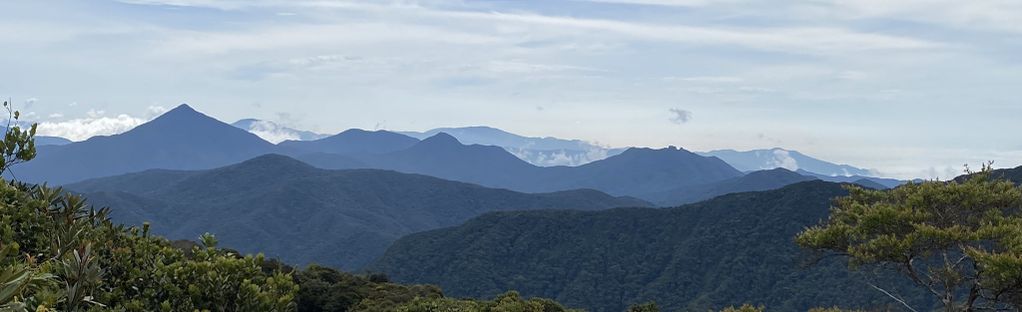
(996, 15)
(680, 116)
(154, 111)
(95, 124)
(94, 113)
(782, 158)
(272, 132)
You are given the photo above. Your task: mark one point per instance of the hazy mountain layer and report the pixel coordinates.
(301, 214)
(635, 172)
(781, 158)
(540, 151)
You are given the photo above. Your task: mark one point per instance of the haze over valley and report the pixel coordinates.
(527, 156)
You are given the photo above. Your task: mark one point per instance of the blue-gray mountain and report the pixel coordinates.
(186, 139)
(353, 142)
(301, 214)
(754, 181)
(179, 139)
(540, 151)
(781, 158)
(51, 140)
(857, 179)
(635, 172)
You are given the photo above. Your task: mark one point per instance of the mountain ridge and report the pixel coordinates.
(605, 260)
(181, 138)
(302, 214)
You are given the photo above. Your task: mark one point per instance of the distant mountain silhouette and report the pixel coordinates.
(540, 151)
(754, 181)
(443, 156)
(275, 133)
(867, 183)
(639, 171)
(781, 158)
(179, 139)
(186, 139)
(302, 214)
(635, 172)
(354, 142)
(698, 257)
(492, 136)
(885, 182)
(51, 140)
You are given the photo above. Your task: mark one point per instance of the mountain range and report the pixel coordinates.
(181, 138)
(540, 151)
(184, 139)
(857, 179)
(781, 158)
(302, 214)
(698, 257)
(635, 172)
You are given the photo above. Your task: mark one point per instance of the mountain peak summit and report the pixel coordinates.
(442, 138)
(182, 111)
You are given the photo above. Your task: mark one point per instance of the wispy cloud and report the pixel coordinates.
(79, 129)
(95, 123)
(680, 116)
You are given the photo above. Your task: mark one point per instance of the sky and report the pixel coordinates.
(907, 88)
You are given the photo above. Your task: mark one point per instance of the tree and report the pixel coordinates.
(744, 308)
(58, 253)
(506, 302)
(961, 240)
(18, 145)
(644, 307)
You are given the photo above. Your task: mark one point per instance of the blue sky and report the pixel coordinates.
(909, 88)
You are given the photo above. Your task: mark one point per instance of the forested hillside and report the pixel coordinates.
(301, 214)
(733, 249)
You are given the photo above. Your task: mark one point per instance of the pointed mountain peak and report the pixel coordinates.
(182, 112)
(441, 138)
(182, 109)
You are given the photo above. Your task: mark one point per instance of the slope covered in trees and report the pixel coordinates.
(302, 214)
(754, 181)
(733, 249)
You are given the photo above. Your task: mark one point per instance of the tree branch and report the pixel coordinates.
(899, 300)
